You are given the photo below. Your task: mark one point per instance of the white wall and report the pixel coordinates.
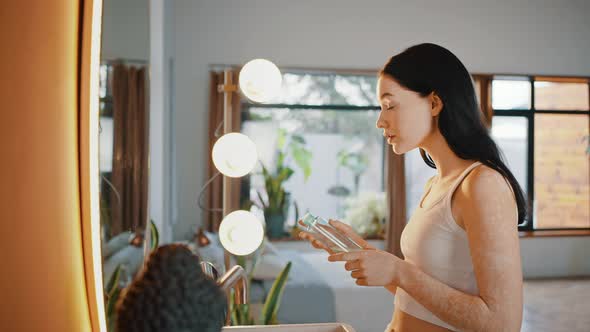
(526, 36)
(143, 30)
(555, 256)
(125, 29)
(160, 189)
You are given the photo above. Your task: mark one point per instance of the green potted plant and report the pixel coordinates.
(241, 314)
(278, 200)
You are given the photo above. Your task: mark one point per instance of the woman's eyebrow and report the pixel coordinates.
(386, 94)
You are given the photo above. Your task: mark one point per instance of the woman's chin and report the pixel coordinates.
(398, 149)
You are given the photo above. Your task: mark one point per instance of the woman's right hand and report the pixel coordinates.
(315, 242)
(344, 228)
(349, 231)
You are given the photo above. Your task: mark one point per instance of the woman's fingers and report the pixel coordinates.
(362, 282)
(317, 244)
(348, 230)
(357, 274)
(314, 242)
(352, 265)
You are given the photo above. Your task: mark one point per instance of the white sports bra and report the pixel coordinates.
(434, 242)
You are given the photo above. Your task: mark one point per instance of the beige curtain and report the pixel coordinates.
(483, 89)
(130, 153)
(214, 192)
(396, 201)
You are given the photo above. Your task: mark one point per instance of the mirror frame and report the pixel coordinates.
(88, 144)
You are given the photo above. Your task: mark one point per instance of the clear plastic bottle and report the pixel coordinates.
(328, 235)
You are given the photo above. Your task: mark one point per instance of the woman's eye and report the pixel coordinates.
(390, 108)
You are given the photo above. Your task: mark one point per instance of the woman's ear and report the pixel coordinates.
(436, 104)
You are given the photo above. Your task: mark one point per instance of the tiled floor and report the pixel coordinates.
(557, 305)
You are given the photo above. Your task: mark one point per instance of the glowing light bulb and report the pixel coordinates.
(241, 233)
(234, 155)
(260, 80)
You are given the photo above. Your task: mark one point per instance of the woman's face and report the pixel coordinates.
(406, 118)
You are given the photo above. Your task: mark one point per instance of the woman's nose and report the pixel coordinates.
(381, 123)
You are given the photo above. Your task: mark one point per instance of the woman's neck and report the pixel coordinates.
(448, 164)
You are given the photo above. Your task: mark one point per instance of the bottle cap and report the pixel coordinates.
(308, 219)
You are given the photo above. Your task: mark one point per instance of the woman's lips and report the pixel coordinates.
(390, 138)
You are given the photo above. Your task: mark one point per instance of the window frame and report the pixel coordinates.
(529, 114)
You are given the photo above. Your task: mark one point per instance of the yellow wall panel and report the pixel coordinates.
(42, 278)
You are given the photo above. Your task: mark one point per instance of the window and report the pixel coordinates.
(333, 117)
(511, 136)
(561, 96)
(106, 119)
(541, 124)
(511, 93)
(561, 171)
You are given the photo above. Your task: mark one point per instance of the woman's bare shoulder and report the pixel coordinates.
(484, 181)
(484, 190)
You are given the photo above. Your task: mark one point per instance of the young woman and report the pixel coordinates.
(462, 268)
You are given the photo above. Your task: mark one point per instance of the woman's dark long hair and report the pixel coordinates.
(427, 68)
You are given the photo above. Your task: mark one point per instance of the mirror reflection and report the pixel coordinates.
(123, 143)
(208, 166)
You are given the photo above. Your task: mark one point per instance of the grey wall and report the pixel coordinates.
(555, 256)
(525, 36)
(125, 29)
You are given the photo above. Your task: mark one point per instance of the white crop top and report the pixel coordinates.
(434, 242)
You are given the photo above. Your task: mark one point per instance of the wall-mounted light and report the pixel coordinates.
(241, 233)
(260, 80)
(234, 155)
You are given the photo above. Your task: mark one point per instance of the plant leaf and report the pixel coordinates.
(281, 159)
(111, 303)
(273, 300)
(281, 138)
(155, 235)
(342, 157)
(113, 282)
(261, 200)
(298, 138)
(284, 175)
(302, 158)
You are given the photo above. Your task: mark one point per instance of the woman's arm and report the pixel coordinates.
(487, 210)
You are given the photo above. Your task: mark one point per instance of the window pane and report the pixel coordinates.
(511, 135)
(561, 96)
(511, 93)
(561, 171)
(102, 90)
(327, 89)
(326, 134)
(105, 144)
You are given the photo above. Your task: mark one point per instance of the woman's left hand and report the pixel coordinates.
(371, 267)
